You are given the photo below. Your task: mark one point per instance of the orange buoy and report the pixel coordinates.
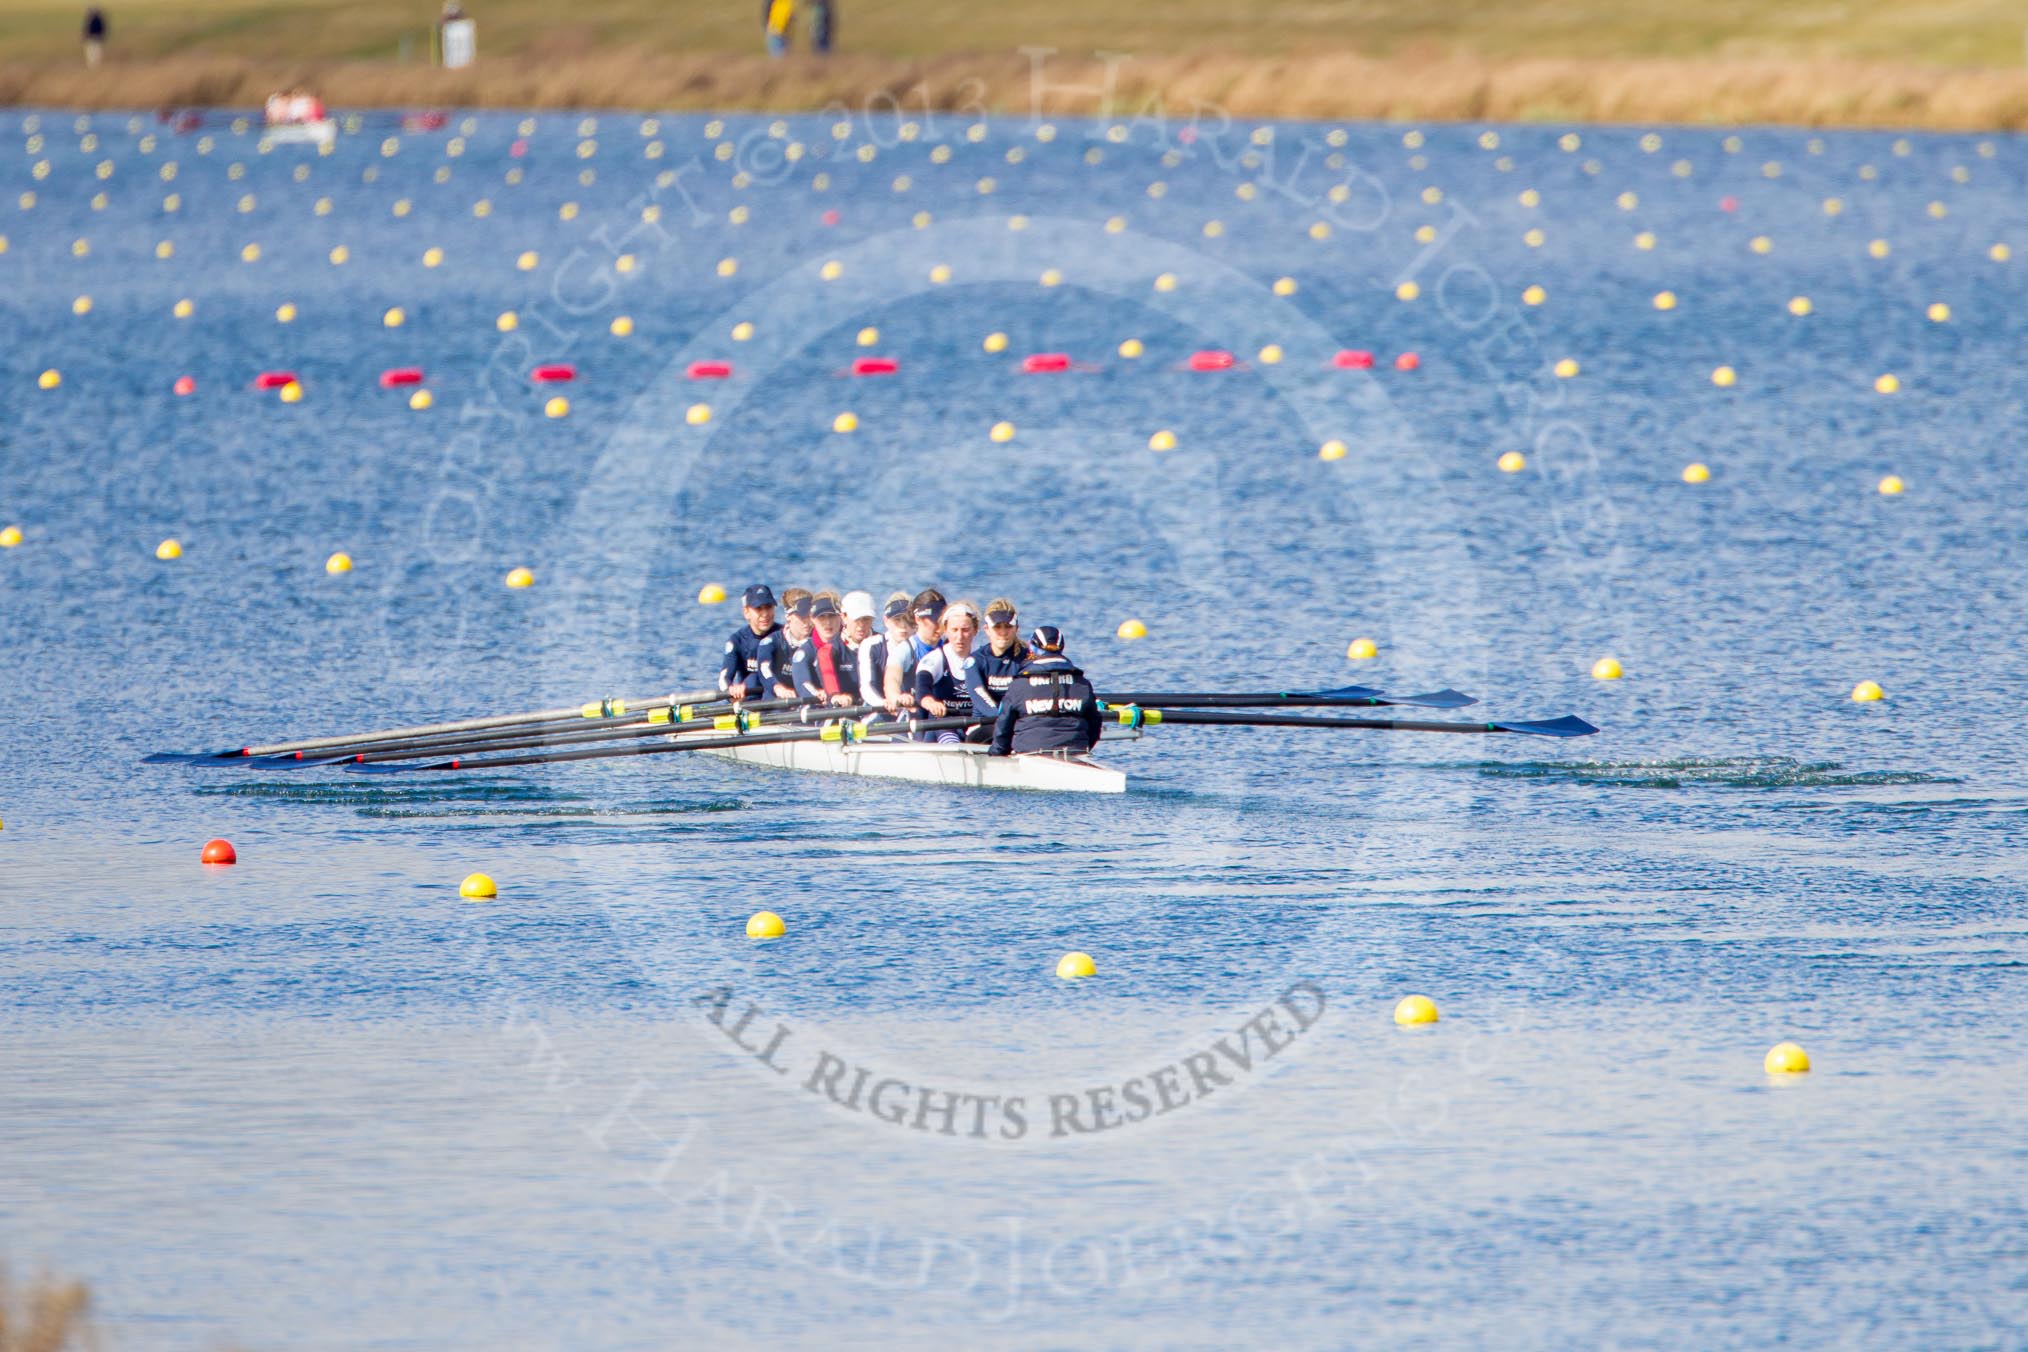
(274, 380)
(401, 375)
(1407, 361)
(1039, 362)
(1210, 359)
(709, 370)
(551, 372)
(875, 366)
(219, 852)
(1353, 359)
(185, 385)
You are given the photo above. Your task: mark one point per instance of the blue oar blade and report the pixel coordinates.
(1570, 725)
(191, 757)
(381, 768)
(1342, 692)
(1436, 699)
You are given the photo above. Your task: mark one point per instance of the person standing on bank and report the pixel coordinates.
(94, 36)
(757, 655)
(1050, 706)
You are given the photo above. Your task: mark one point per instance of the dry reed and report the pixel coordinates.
(45, 1316)
(1327, 85)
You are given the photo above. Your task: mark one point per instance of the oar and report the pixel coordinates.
(660, 716)
(595, 709)
(829, 732)
(663, 726)
(1568, 726)
(1347, 697)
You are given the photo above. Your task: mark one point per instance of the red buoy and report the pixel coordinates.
(710, 370)
(874, 366)
(1407, 361)
(1211, 359)
(553, 371)
(1045, 361)
(401, 375)
(831, 217)
(518, 149)
(185, 385)
(219, 852)
(1353, 359)
(273, 380)
(1728, 203)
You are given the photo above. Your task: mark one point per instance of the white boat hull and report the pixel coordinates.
(319, 133)
(926, 763)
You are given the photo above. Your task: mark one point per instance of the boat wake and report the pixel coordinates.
(1719, 772)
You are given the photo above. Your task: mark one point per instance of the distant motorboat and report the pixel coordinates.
(298, 119)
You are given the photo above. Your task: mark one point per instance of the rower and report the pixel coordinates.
(857, 635)
(1050, 706)
(943, 679)
(898, 686)
(795, 632)
(994, 667)
(874, 653)
(822, 669)
(756, 656)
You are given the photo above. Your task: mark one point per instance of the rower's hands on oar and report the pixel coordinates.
(843, 700)
(935, 706)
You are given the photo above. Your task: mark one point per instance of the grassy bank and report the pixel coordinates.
(1898, 63)
(46, 1315)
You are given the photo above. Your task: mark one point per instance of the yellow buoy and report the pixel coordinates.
(1002, 431)
(339, 255)
(832, 270)
(1164, 440)
(341, 562)
(421, 400)
(622, 326)
(728, 267)
(291, 393)
(478, 887)
(1566, 368)
(394, 318)
(1415, 1009)
(81, 306)
(995, 342)
(1665, 300)
(49, 380)
(1271, 354)
(1534, 295)
(507, 322)
(1362, 650)
(764, 925)
(1799, 305)
(521, 577)
(1999, 253)
(1075, 967)
(742, 331)
(557, 407)
(1939, 313)
(1285, 286)
(285, 313)
(1407, 291)
(1606, 669)
(710, 594)
(432, 257)
(182, 309)
(1333, 450)
(1166, 282)
(1888, 383)
(10, 536)
(1132, 629)
(868, 336)
(940, 274)
(1866, 692)
(1785, 1058)
(1131, 348)
(845, 422)
(169, 549)
(1724, 377)
(528, 261)
(1892, 485)
(1513, 462)
(697, 414)
(1696, 472)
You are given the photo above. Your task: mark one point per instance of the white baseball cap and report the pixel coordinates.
(859, 605)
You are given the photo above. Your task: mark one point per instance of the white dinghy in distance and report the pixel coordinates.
(964, 766)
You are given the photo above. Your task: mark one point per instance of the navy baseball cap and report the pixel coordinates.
(933, 611)
(999, 615)
(1047, 637)
(897, 608)
(758, 595)
(801, 609)
(823, 605)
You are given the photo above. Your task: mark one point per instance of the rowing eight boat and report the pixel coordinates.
(966, 766)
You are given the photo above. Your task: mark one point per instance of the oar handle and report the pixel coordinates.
(593, 709)
(840, 730)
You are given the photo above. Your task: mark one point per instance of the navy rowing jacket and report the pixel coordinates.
(755, 661)
(1049, 707)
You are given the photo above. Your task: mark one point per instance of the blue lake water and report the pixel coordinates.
(316, 1100)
